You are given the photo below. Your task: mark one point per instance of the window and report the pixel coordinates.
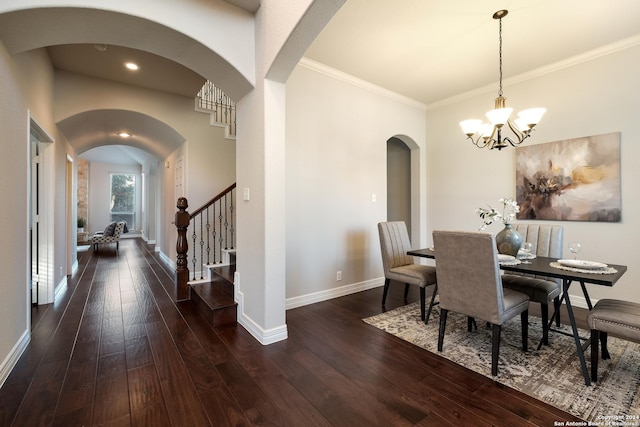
(123, 198)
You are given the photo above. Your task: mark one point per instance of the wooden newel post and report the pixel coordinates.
(182, 247)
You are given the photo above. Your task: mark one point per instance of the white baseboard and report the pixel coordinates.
(263, 336)
(14, 355)
(333, 293)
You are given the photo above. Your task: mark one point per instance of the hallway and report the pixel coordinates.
(115, 350)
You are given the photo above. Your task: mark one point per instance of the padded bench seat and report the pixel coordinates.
(616, 317)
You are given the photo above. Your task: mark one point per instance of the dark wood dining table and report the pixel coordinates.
(541, 266)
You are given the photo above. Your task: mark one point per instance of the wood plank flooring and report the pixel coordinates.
(115, 350)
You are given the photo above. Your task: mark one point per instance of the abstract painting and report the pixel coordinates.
(571, 180)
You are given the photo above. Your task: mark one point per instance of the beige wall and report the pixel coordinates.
(336, 160)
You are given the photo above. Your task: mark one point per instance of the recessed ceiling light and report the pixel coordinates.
(124, 134)
(131, 65)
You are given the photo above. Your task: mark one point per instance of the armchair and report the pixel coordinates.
(111, 234)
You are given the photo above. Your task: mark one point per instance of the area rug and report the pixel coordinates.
(551, 374)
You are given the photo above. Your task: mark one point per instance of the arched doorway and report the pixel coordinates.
(399, 182)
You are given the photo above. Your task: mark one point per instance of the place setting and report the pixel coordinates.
(581, 266)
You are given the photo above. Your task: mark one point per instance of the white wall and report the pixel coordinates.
(589, 98)
(336, 159)
(26, 90)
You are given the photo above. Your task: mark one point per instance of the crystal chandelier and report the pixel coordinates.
(490, 134)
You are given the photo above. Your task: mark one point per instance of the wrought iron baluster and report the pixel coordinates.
(226, 224)
(208, 242)
(215, 232)
(231, 213)
(193, 261)
(220, 238)
(201, 246)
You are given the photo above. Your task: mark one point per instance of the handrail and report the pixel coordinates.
(212, 201)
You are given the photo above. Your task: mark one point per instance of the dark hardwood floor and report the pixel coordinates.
(115, 350)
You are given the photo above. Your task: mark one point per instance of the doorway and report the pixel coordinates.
(40, 280)
(399, 182)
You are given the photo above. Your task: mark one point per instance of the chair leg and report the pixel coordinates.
(603, 343)
(495, 349)
(556, 304)
(385, 290)
(431, 304)
(544, 312)
(118, 245)
(423, 297)
(443, 324)
(594, 355)
(406, 291)
(524, 322)
(471, 322)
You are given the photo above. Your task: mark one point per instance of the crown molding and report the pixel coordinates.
(357, 82)
(542, 71)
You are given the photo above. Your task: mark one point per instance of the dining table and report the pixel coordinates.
(549, 267)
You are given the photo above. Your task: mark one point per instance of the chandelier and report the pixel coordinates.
(490, 134)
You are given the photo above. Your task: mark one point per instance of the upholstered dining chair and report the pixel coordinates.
(469, 283)
(397, 265)
(547, 242)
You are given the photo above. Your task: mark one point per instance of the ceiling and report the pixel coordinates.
(431, 50)
(427, 50)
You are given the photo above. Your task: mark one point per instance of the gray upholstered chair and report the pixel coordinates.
(547, 241)
(469, 283)
(397, 265)
(615, 317)
(108, 236)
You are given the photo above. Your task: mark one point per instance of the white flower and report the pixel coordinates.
(509, 210)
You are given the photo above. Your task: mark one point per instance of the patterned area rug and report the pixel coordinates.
(551, 374)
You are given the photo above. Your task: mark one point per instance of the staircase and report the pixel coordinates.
(212, 255)
(214, 298)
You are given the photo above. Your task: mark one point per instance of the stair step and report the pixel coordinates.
(226, 272)
(214, 301)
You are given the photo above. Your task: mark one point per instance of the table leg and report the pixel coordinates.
(586, 295)
(574, 328)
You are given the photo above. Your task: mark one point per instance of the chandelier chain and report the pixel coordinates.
(500, 55)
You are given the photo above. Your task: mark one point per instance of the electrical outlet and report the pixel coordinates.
(61, 271)
(338, 276)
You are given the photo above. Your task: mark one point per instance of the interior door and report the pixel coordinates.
(34, 225)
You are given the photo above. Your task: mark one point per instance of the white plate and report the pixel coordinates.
(505, 258)
(586, 265)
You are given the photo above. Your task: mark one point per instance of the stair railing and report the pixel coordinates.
(211, 229)
(212, 99)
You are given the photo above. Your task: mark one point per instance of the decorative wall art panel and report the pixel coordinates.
(572, 180)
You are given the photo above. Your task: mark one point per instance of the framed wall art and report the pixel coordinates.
(571, 180)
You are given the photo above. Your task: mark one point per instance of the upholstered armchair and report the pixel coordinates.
(394, 244)
(547, 242)
(469, 283)
(111, 234)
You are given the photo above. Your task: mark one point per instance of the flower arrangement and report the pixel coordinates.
(509, 210)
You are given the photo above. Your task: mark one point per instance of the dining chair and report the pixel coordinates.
(398, 266)
(547, 242)
(612, 316)
(469, 283)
